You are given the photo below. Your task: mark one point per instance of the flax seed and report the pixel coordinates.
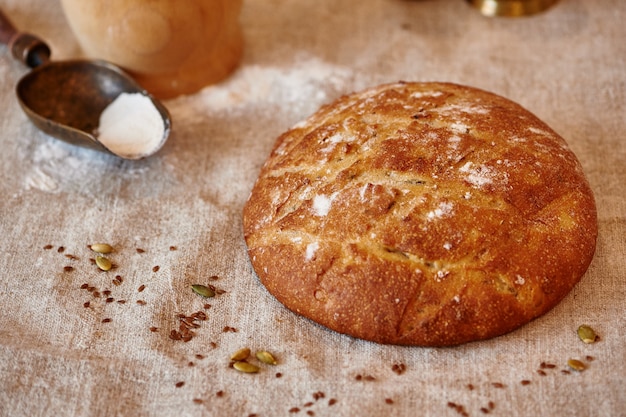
(154, 329)
(47, 247)
(121, 301)
(180, 384)
(388, 401)
(139, 250)
(219, 393)
(61, 249)
(86, 304)
(141, 302)
(107, 320)
(155, 268)
(84, 286)
(332, 401)
(173, 248)
(141, 288)
(318, 395)
(525, 382)
(399, 368)
(198, 400)
(68, 268)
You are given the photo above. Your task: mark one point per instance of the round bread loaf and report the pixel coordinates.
(427, 214)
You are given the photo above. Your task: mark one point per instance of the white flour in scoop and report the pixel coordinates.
(131, 126)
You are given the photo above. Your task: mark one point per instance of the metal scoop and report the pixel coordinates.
(65, 99)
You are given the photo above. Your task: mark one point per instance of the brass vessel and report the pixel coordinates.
(511, 8)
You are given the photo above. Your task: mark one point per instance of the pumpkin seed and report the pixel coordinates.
(576, 365)
(586, 334)
(101, 248)
(266, 357)
(203, 290)
(240, 355)
(103, 263)
(246, 367)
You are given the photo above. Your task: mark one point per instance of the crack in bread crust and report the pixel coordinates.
(422, 214)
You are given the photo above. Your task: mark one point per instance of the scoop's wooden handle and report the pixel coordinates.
(27, 48)
(7, 30)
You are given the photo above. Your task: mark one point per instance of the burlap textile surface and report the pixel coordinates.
(182, 209)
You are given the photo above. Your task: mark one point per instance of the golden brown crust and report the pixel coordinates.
(422, 214)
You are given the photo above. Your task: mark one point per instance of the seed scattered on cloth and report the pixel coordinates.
(586, 334)
(103, 248)
(576, 365)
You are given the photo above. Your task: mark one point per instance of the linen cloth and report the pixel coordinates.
(182, 209)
